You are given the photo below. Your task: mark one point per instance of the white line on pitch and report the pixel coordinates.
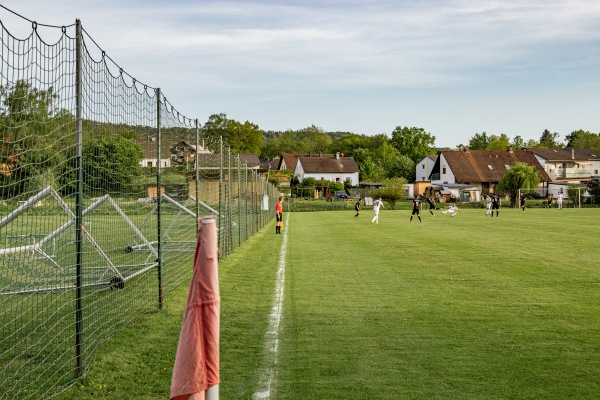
(267, 375)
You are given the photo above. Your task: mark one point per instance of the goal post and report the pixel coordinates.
(572, 193)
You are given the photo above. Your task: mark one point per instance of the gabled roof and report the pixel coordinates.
(312, 165)
(551, 154)
(470, 166)
(210, 160)
(149, 148)
(251, 160)
(289, 159)
(269, 164)
(432, 157)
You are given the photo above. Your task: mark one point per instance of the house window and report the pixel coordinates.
(149, 164)
(423, 166)
(444, 170)
(490, 167)
(595, 172)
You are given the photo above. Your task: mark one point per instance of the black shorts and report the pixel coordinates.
(279, 217)
(495, 206)
(415, 211)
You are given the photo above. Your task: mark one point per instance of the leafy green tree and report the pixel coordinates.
(518, 143)
(519, 176)
(242, 138)
(307, 140)
(593, 188)
(402, 167)
(391, 191)
(501, 142)
(110, 164)
(348, 143)
(413, 142)
(549, 139)
(479, 141)
(33, 134)
(583, 140)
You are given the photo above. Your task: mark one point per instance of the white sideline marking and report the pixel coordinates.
(266, 379)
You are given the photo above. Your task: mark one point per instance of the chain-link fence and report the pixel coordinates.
(102, 182)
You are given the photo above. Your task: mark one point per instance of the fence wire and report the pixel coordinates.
(102, 182)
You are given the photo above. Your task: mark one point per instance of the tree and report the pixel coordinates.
(242, 138)
(583, 140)
(479, 141)
(549, 139)
(519, 176)
(413, 142)
(110, 165)
(391, 191)
(501, 142)
(402, 167)
(518, 143)
(593, 188)
(307, 140)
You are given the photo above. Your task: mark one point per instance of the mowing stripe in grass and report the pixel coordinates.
(267, 372)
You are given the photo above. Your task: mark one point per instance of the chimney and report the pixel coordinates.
(573, 154)
(466, 149)
(510, 149)
(341, 154)
(337, 156)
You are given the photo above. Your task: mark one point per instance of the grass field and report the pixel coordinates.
(465, 307)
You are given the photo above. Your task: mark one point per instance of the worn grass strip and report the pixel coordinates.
(268, 373)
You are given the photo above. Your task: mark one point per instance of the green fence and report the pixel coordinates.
(102, 182)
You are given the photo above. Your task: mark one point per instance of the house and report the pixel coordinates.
(424, 167)
(149, 148)
(333, 169)
(466, 174)
(568, 165)
(182, 153)
(251, 161)
(288, 160)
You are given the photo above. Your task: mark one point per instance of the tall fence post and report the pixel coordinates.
(219, 236)
(79, 200)
(158, 200)
(239, 181)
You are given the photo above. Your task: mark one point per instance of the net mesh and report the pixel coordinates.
(101, 186)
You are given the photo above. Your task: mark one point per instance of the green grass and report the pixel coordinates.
(465, 307)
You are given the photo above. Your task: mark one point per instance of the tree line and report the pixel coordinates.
(38, 136)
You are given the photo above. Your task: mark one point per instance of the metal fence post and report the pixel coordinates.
(79, 200)
(158, 200)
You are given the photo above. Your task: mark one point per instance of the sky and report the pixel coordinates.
(453, 68)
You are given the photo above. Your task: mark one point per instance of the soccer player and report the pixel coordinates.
(279, 215)
(559, 200)
(416, 205)
(431, 202)
(550, 198)
(495, 205)
(357, 209)
(488, 204)
(453, 209)
(376, 204)
(522, 200)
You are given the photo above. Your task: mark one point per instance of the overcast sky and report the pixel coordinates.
(453, 68)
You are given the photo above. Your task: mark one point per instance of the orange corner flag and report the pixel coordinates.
(197, 360)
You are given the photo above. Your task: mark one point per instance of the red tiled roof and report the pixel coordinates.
(488, 165)
(289, 159)
(328, 164)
